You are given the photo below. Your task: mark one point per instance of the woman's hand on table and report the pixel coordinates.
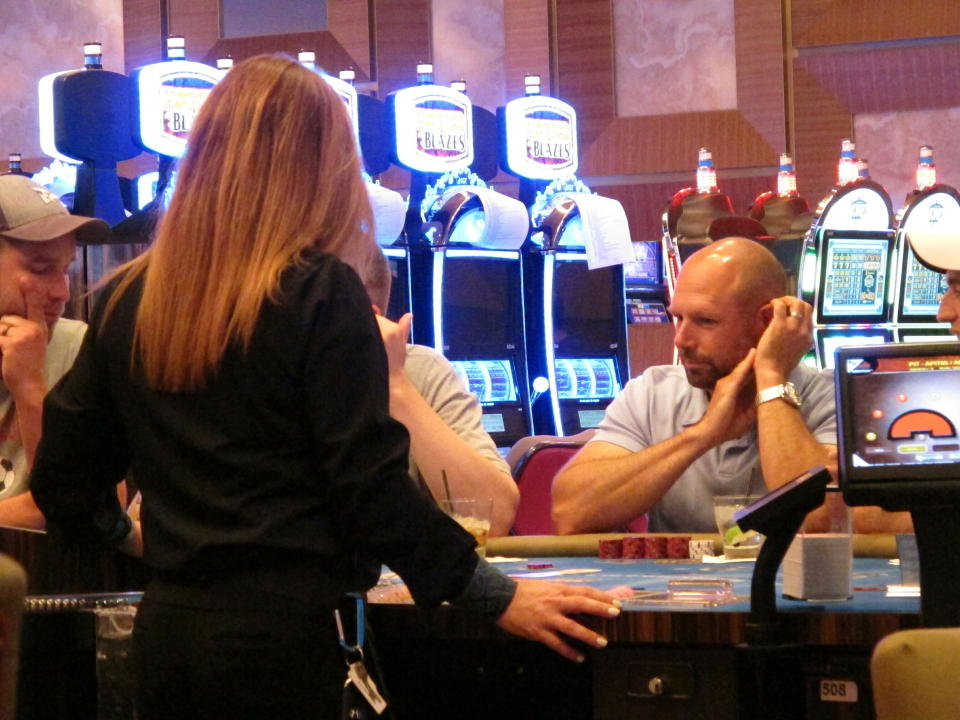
(540, 611)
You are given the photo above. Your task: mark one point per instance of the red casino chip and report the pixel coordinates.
(678, 547)
(655, 547)
(610, 549)
(633, 547)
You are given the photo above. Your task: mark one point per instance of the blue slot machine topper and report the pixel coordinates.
(846, 263)
(463, 240)
(573, 268)
(933, 208)
(85, 120)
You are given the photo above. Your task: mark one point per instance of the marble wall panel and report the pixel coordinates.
(38, 37)
(891, 142)
(468, 43)
(674, 56)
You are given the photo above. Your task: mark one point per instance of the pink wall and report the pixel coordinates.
(38, 37)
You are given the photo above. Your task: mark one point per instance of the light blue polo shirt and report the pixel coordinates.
(660, 403)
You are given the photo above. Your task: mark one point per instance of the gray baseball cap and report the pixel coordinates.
(32, 213)
(939, 251)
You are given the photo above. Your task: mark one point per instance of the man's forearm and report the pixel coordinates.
(29, 417)
(598, 494)
(437, 448)
(787, 447)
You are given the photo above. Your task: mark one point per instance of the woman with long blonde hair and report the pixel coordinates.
(236, 371)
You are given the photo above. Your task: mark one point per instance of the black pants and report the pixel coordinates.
(262, 664)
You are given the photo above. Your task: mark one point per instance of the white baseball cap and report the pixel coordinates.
(31, 213)
(937, 250)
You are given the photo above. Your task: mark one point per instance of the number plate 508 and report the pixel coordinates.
(838, 691)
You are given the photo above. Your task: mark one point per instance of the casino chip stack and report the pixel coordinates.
(651, 547)
(699, 548)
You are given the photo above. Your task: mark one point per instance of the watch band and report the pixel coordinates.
(786, 392)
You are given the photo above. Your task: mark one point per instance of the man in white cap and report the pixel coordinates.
(38, 240)
(941, 252)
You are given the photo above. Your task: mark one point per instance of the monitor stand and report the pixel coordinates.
(938, 544)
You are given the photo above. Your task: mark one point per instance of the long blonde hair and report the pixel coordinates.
(271, 170)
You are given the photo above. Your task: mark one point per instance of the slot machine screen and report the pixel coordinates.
(899, 412)
(494, 382)
(490, 380)
(482, 304)
(587, 378)
(588, 307)
(854, 277)
(829, 342)
(921, 290)
(925, 334)
(645, 270)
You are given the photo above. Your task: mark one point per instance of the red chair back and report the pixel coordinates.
(534, 472)
(534, 462)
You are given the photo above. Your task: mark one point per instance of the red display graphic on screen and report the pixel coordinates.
(921, 422)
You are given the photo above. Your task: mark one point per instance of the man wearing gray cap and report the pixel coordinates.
(38, 240)
(941, 252)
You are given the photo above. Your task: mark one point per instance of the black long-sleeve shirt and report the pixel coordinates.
(285, 471)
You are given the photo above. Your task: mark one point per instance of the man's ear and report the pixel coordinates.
(765, 314)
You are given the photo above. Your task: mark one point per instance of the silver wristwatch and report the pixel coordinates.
(786, 392)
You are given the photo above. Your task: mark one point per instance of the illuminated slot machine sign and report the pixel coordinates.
(541, 138)
(899, 411)
(433, 127)
(920, 289)
(169, 95)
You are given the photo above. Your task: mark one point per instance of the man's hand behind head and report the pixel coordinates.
(789, 335)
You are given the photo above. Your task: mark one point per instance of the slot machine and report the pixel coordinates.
(786, 217)
(930, 208)
(575, 312)
(846, 264)
(463, 240)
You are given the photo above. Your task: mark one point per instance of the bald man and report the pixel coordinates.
(739, 417)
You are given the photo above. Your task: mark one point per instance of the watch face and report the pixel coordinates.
(790, 395)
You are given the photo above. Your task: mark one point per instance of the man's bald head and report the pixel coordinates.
(745, 269)
(722, 306)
